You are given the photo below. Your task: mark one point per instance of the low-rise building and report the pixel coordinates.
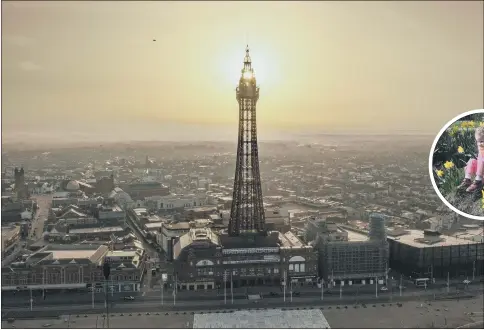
(76, 266)
(111, 212)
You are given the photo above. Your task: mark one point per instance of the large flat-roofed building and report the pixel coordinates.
(202, 257)
(142, 190)
(349, 257)
(74, 267)
(55, 267)
(429, 254)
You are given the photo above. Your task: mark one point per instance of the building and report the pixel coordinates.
(141, 190)
(21, 189)
(111, 213)
(12, 208)
(128, 268)
(99, 233)
(56, 267)
(170, 232)
(73, 216)
(428, 254)
(120, 197)
(10, 239)
(203, 257)
(349, 257)
(73, 267)
(173, 201)
(198, 213)
(247, 254)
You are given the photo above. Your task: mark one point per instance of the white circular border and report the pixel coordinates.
(431, 170)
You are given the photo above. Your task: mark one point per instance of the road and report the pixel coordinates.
(355, 294)
(145, 306)
(44, 203)
(149, 280)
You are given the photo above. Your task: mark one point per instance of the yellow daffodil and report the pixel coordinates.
(482, 191)
(454, 130)
(448, 165)
(460, 150)
(440, 173)
(467, 124)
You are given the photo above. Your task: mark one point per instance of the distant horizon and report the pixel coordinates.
(208, 133)
(34, 142)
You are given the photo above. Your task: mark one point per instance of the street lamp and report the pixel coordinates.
(106, 272)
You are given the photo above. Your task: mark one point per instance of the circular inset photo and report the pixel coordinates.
(456, 164)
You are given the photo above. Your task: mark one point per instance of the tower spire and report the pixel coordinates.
(247, 62)
(247, 212)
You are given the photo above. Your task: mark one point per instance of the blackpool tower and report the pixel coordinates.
(247, 212)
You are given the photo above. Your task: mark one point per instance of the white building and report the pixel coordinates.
(122, 198)
(174, 201)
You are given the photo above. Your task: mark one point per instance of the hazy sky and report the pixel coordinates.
(322, 66)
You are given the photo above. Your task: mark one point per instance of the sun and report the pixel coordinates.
(264, 63)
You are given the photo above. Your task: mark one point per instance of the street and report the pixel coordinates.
(352, 294)
(43, 202)
(143, 307)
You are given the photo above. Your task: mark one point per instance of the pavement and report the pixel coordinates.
(409, 314)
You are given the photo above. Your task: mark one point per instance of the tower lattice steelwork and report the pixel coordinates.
(247, 213)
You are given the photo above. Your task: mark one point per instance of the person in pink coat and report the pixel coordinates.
(475, 167)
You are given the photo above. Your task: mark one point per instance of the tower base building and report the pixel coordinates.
(206, 260)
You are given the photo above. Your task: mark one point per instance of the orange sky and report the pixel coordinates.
(321, 65)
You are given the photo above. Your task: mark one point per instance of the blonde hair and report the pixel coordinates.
(479, 132)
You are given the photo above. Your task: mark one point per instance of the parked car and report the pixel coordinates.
(129, 298)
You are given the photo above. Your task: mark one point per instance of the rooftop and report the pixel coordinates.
(70, 254)
(120, 253)
(290, 240)
(9, 232)
(354, 236)
(154, 225)
(177, 226)
(95, 230)
(415, 238)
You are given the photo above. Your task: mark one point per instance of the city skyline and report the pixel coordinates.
(93, 69)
